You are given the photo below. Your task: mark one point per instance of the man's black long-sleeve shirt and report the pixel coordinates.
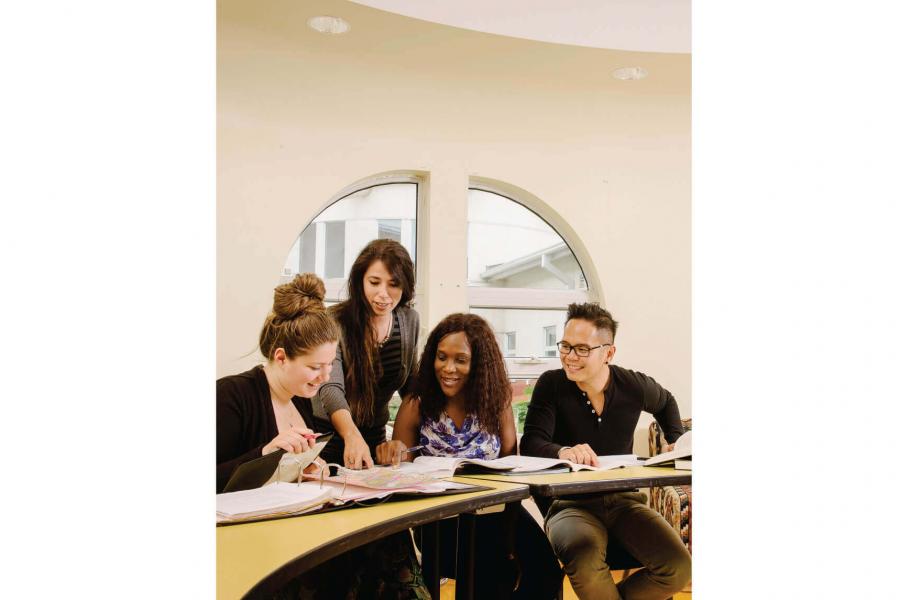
(560, 414)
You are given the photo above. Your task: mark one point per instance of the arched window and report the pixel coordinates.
(330, 243)
(521, 273)
(521, 277)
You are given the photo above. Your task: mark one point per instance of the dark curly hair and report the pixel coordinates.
(487, 391)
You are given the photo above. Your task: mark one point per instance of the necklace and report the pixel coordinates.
(388, 335)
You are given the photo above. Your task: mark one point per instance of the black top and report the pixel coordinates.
(396, 372)
(245, 420)
(560, 414)
(394, 378)
(391, 359)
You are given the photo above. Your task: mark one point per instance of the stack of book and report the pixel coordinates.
(679, 456)
(269, 501)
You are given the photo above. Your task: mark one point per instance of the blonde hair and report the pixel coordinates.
(298, 321)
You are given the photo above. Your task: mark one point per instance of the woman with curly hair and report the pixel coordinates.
(461, 405)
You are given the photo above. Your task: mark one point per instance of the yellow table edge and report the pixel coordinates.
(249, 555)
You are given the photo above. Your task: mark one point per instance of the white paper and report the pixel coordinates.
(682, 449)
(272, 499)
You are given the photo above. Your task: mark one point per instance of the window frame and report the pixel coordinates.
(336, 287)
(487, 297)
(526, 298)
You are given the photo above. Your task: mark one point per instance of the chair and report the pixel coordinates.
(673, 502)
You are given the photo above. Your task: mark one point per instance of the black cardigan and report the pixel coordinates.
(245, 420)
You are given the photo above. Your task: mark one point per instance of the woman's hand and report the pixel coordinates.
(356, 453)
(390, 453)
(296, 439)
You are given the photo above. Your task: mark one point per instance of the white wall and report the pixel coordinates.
(302, 116)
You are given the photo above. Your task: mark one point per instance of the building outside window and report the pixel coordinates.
(331, 242)
(550, 340)
(521, 277)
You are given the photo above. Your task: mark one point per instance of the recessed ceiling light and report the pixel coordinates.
(326, 24)
(629, 73)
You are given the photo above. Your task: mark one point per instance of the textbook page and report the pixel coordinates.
(528, 464)
(382, 477)
(616, 461)
(524, 464)
(682, 449)
(449, 464)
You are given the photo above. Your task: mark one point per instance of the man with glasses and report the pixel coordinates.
(590, 408)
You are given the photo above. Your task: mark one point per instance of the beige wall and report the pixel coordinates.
(302, 115)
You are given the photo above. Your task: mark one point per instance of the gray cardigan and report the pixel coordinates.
(331, 398)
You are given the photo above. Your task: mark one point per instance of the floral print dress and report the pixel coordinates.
(442, 438)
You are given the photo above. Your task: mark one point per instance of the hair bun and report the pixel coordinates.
(305, 293)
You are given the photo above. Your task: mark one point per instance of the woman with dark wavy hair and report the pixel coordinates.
(376, 355)
(461, 406)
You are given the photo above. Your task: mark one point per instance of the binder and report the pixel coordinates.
(257, 472)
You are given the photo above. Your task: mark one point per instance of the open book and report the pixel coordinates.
(380, 478)
(513, 464)
(682, 450)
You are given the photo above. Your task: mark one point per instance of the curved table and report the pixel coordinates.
(255, 559)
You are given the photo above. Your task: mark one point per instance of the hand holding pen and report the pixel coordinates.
(395, 460)
(392, 452)
(297, 439)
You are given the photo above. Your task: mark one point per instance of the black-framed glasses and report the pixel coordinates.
(580, 350)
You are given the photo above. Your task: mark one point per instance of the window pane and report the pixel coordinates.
(308, 250)
(389, 229)
(527, 332)
(510, 246)
(329, 245)
(550, 341)
(334, 248)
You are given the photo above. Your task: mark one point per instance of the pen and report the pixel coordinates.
(395, 460)
(311, 436)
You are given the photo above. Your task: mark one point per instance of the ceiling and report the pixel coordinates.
(635, 25)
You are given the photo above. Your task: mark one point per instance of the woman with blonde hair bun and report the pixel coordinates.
(268, 407)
